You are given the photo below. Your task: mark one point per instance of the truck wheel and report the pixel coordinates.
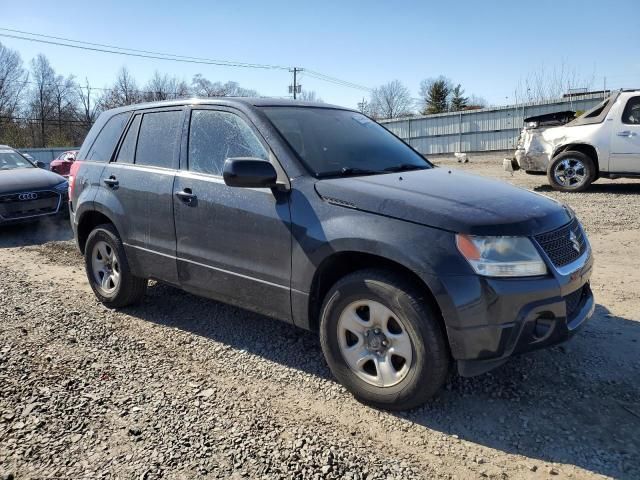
(108, 269)
(383, 341)
(571, 172)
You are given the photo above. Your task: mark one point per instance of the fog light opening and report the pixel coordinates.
(543, 326)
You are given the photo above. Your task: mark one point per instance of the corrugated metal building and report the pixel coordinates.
(495, 128)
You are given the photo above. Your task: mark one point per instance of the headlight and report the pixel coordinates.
(501, 256)
(62, 187)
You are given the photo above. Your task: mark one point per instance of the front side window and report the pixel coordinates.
(158, 139)
(128, 147)
(105, 143)
(215, 136)
(631, 114)
(332, 142)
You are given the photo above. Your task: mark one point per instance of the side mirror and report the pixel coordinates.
(249, 173)
(40, 164)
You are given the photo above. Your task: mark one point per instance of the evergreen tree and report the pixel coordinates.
(436, 95)
(458, 100)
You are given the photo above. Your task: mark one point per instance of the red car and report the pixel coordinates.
(62, 164)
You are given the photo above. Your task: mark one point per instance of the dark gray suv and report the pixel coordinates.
(318, 216)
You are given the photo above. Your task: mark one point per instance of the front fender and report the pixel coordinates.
(321, 230)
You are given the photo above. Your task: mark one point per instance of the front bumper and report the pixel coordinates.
(531, 161)
(493, 319)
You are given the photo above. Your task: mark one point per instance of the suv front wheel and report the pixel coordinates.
(108, 269)
(571, 172)
(382, 341)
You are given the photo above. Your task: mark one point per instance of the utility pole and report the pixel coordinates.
(295, 89)
(295, 83)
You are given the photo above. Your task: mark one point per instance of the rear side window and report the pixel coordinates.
(215, 136)
(158, 139)
(104, 145)
(128, 147)
(631, 114)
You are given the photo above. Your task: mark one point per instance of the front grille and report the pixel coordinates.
(12, 207)
(560, 245)
(573, 300)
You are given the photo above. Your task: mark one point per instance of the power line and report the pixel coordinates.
(149, 52)
(140, 55)
(53, 121)
(336, 81)
(154, 55)
(103, 89)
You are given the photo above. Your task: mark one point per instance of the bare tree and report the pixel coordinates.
(476, 102)
(42, 103)
(13, 79)
(203, 87)
(123, 92)
(543, 84)
(391, 100)
(164, 87)
(309, 96)
(88, 108)
(65, 108)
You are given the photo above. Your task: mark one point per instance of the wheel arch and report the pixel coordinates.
(339, 264)
(88, 221)
(585, 148)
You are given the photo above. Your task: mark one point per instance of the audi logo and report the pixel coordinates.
(28, 196)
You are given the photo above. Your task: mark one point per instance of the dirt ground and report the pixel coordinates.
(182, 387)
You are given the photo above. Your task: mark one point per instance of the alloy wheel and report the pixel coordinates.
(570, 172)
(374, 343)
(106, 267)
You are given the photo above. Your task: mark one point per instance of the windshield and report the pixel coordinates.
(10, 160)
(334, 142)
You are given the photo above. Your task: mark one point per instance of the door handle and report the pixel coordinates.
(111, 181)
(187, 196)
(627, 133)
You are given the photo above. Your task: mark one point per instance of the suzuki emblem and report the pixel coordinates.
(573, 238)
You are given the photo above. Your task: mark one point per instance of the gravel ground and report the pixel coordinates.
(183, 387)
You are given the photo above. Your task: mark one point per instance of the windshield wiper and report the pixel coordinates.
(404, 167)
(359, 171)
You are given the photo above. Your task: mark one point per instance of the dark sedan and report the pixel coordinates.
(28, 192)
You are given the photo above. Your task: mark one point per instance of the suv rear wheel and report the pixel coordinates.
(571, 172)
(382, 340)
(108, 269)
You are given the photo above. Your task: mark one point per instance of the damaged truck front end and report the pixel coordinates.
(567, 149)
(538, 141)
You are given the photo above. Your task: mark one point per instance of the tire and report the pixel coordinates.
(406, 382)
(105, 259)
(579, 172)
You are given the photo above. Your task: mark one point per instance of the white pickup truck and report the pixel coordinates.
(602, 142)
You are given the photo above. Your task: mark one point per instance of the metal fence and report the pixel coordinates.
(495, 128)
(46, 155)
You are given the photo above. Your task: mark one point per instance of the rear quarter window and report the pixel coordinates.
(105, 142)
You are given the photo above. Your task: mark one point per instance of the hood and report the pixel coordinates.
(28, 179)
(449, 200)
(550, 119)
